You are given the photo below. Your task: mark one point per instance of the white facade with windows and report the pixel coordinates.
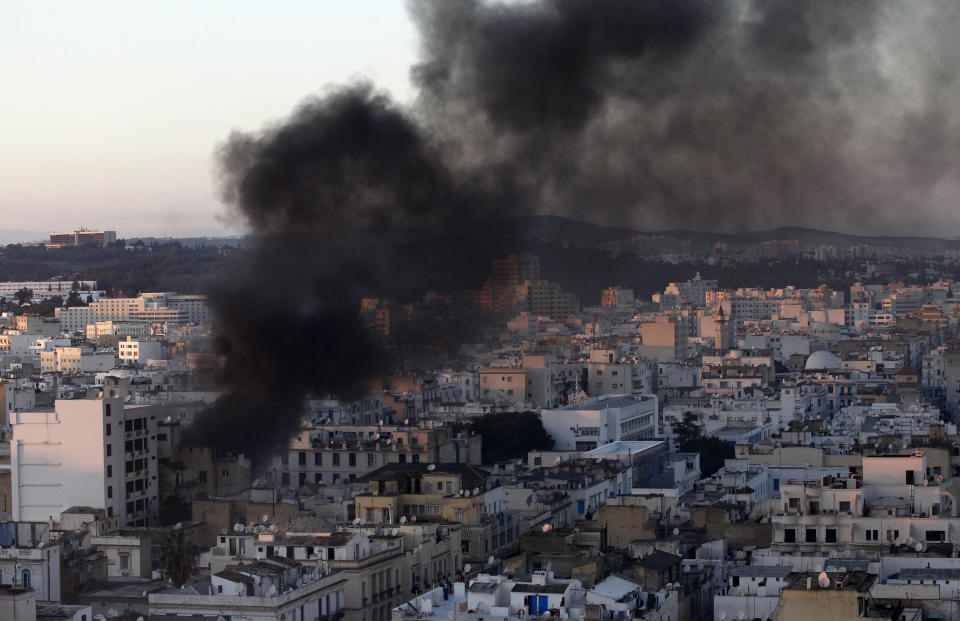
(600, 420)
(98, 453)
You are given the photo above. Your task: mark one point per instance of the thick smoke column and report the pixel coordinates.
(704, 114)
(287, 317)
(696, 113)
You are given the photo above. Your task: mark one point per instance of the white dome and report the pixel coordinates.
(822, 360)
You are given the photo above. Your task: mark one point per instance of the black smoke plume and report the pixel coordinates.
(324, 192)
(717, 115)
(705, 114)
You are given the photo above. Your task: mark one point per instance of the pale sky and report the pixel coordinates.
(110, 111)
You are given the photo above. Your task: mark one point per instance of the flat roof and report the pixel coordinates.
(604, 402)
(625, 446)
(765, 571)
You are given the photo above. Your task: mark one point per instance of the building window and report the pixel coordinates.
(109, 491)
(336, 459)
(352, 459)
(936, 535)
(302, 458)
(203, 476)
(845, 506)
(124, 560)
(369, 459)
(318, 459)
(108, 429)
(831, 535)
(25, 579)
(109, 450)
(109, 471)
(789, 535)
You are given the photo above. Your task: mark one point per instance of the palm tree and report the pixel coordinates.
(179, 558)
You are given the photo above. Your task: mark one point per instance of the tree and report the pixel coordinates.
(23, 296)
(178, 557)
(508, 435)
(713, 451)
(690, 439)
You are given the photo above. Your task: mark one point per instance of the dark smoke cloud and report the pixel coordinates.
(717, 115)
(325, 191)
(704, 114)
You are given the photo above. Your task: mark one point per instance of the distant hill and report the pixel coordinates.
(557, 229)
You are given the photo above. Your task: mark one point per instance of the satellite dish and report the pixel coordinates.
(273, 528)
(491, 560)
(466, 568)
(413, 519)
(723, 615)
(394, 532)
(823, 580)
(918, 547)
(432, 467)
(741, 615)
(273, 590)
(909, 541)
(266, 518)
(238, 527)
(403, 519)
(358, 521)
(676, 531)
(547, 528)
(476, 491)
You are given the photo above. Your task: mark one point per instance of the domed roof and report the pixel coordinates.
(822, 360)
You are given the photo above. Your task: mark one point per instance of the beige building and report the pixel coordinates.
(503, 385)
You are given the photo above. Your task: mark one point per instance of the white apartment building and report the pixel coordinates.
(133, 351)
(86, 452)
(45, 289)
(596, 421)
(894, 504)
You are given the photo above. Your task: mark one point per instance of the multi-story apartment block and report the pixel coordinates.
(585, 425)
(503, 385)
(45, 289)
(138, 351)
(893, 504)
(327, 454)
(97, 453)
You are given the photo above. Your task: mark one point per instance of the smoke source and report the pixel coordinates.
(718, 115)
